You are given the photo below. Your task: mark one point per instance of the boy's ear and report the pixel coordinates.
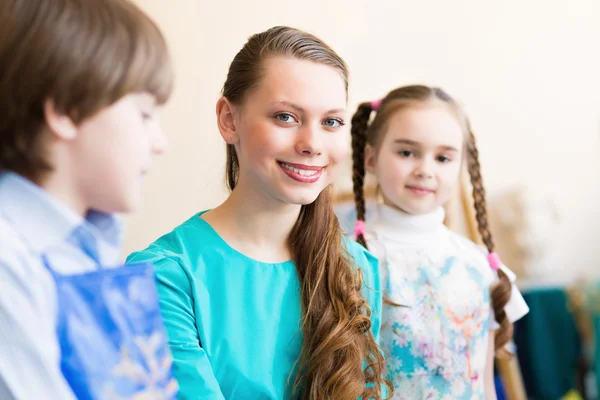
(59, 124)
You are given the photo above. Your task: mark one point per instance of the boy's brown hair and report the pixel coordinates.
(83, 55)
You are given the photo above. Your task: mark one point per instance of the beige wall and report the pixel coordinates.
(528, 73)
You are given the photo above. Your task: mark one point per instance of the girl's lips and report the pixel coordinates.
(419, 190)
(302, 173)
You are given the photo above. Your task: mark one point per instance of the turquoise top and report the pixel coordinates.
(234, 322)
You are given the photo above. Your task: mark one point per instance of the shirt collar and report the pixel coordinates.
(43, 222)
(389, 219)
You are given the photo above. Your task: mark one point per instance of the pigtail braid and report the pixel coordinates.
(500, 293)
(360, 125)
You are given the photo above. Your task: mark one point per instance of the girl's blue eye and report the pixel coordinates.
(333, 123)
(286, 118)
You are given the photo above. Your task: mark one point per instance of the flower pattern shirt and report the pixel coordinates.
(436, 316)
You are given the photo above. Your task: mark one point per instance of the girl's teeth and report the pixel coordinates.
(302, 172)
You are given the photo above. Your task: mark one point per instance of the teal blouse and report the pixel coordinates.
(234, 322)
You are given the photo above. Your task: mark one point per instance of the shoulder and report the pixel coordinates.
(9, 241)
(182, 249)
(463, 243)
(361, 256)
(516, 307)
(376, 246)
(366, 263)
(15, 257)
(368, 266)
(474, 254)
(23, 277)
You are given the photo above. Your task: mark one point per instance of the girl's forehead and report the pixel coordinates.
(305, 84)
(431, 126)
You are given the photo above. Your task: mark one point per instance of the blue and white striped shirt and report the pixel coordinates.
(32, 224)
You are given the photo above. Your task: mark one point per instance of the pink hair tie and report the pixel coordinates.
(375, 104)
(494, 261)
(359, 228)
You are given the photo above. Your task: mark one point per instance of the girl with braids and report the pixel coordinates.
(436, 283)
(263, 297)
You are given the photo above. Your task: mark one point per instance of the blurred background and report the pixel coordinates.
(528, 75)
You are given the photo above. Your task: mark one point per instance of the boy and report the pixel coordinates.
(79, 84)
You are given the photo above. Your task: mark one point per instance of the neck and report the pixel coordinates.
(61, 182)
(60, 186)
(256, 224)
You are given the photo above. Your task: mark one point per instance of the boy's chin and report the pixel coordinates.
(120, 206)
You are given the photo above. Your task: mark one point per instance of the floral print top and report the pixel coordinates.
(436, 316)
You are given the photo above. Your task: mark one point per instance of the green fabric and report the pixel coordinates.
(596, 361)
(234, 322)
(548, 345)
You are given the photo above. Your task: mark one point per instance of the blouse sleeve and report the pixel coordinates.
(516, 308)
(191, 365)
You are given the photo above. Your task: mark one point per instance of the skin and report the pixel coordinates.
(99, 164)
(294, 117)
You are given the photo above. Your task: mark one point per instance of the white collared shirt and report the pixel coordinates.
(33, 223)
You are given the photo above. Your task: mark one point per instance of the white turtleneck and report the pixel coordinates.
(395, 235)
(436, 342)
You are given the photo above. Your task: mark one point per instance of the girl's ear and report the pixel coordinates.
(226, 121)
(370, 159)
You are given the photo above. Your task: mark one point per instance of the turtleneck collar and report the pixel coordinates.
(391, 220)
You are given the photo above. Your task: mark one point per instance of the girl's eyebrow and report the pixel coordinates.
(417, 144)
(301, 110)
